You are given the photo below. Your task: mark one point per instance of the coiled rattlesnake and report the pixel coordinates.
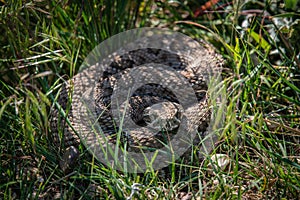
(144, 89)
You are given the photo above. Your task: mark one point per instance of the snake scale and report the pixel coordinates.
(163, 81)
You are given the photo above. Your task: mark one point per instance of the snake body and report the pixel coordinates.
(153, 74)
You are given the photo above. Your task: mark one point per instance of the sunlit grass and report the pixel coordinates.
(44, 43)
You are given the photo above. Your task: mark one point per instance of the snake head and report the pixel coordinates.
(163, 116)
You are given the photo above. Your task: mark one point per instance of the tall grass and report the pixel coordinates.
(44, 42)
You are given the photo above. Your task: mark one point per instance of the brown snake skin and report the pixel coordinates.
(154, 105)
